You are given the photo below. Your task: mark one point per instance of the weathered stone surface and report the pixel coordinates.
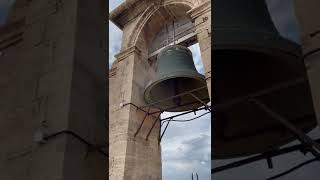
(53, 79)
(307, 12)
(202, 19)
(132, 157)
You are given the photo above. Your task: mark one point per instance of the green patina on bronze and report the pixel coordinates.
(176, 74)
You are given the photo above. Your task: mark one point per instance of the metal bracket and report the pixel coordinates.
(202, 102)
(145, 117)
(160, 111)
(154, 123)
(164, 131)
(291, 127)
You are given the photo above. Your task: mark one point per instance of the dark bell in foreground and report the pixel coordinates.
(251, 60)
(175, 75)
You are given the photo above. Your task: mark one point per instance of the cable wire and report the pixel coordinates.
(293, 169)
(79, 138)
(176, 120)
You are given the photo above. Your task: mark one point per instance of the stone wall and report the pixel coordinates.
(53, 79)
(307, 13)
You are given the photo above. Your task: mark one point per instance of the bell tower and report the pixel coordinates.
(149, 26)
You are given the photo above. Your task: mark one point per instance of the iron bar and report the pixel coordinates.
(145, 117)
(203, 103)
(191, 111)
(154, 123)
(178, 95)
(269, 162)
(174, 33)
(300, 147)
(312, 52)
(276, 127)
(293, 169)
(300, 134)
(68, 132)
(164, 131)
(159, 134)
(195, 102)
(180, 120)
(184, 40)
(260, 93)
(168, 121)
(167, 34)
(139, 108)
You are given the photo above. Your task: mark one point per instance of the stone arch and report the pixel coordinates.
(150, 19)
(141, 21)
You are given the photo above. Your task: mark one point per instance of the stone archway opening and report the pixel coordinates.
(144, 25)
(179, 29)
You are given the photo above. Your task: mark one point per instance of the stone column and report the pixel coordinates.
(308, 16)
(52, 79)
(201, 16)
(132, 156)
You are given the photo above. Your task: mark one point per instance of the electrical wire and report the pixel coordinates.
(293, 169)
(79, 138)
(176, 120)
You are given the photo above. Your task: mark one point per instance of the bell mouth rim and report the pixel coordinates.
(283, 142)
(260, 42)
(174, 45)
(148, 87)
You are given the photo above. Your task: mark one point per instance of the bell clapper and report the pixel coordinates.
(176, 100)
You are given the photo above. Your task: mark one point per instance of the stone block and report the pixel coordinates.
(58, 80)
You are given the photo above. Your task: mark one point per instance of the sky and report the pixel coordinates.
(4, 8)
(115, 34)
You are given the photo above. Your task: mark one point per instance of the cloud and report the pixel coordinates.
(114, 3)
(196, 53)
(186, 147)
(115, 34)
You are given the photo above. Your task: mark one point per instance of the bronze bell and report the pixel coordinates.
(176, 74)
(253, 61)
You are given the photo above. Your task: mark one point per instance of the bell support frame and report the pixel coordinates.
(162, 121)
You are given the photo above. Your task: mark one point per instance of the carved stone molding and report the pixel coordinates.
(203, 8)
(127, 52)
